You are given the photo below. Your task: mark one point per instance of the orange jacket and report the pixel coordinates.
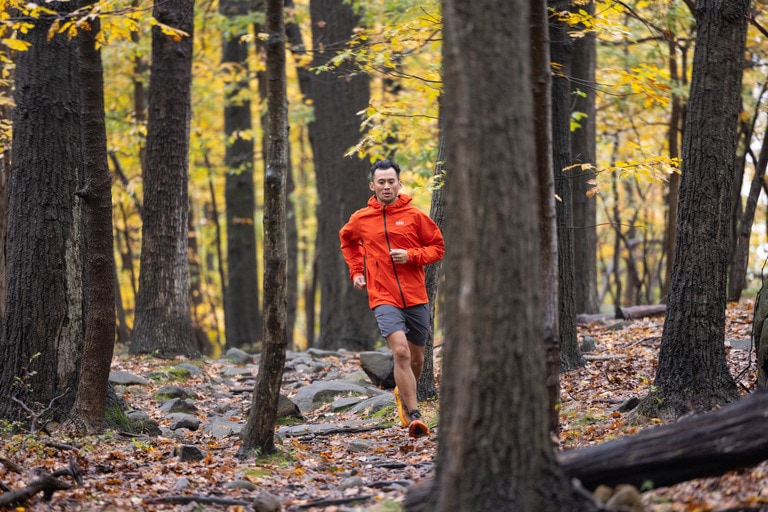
(367, 238)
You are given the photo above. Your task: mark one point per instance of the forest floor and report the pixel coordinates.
(367, 470)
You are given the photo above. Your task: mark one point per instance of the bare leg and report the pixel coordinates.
(409, 361)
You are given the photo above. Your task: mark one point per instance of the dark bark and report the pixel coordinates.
(740, 258)
(259, 431)
(338, 95)
(201, 321)
(673, 138)
(43, 334)
(560, 51)
(163, 320)
(542, 104)
(91, 399)
(426, 388)
(692, 371)
(583, 151)
(695, 447)
(242, 314)
(494, 405)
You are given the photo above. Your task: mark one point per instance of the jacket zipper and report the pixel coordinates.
(389, 248)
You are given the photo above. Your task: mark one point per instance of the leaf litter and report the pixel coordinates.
(355, 470)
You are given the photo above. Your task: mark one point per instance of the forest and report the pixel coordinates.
(173, 179)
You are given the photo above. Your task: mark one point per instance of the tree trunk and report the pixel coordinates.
(542, 103)
(583, 151)
(673, 192)
(163, 318)
(242, 315)
(692, 372)
(560, 49)
(426, 388)
(695, 447)
(494, 406)
(740, 259)
(43, 334)
(345, 318)
(260, 428)
(91, 399)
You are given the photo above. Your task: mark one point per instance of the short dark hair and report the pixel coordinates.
(385, 164)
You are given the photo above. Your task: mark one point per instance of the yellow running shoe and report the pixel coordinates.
(417, 427)
(402, 413)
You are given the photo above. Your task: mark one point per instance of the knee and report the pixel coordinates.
(401, 355)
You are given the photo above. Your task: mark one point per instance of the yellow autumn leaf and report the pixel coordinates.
(15, 44)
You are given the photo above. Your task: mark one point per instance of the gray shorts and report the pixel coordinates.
(413, 321)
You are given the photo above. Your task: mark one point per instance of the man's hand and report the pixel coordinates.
(398, 255)
(359, 282)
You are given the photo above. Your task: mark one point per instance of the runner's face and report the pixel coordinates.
(385, 185)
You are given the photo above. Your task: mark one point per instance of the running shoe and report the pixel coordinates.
(417, 427)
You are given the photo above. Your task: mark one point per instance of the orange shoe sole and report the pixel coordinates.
(418, 429)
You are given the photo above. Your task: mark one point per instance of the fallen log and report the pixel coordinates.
(694, 447)
(642, 311)
(625, 313)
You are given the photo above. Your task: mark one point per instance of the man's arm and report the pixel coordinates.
(433, 244)
(352, 251)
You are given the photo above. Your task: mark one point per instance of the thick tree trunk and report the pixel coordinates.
(163, 318)
(43, 334)
(345, 318)
(695, 447)
(560, 50)
(494, 405)
(260, 428)
(583, 151)
(91, 400)
(692, 372)
(242, 315)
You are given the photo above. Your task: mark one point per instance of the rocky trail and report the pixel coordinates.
(340, 448)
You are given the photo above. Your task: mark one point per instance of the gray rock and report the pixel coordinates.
(237, 356)
(349, 483)
(319, 353)
(345, 403)
(189, 367)
(141, 423)
(287, 408)
(374, 404)
(182, 483)
(178, 405)
(380, 368)
(187, 453)
(317, 393)
(237, 372)
(241, 484)
(266, 502)
(168, 392)
(360, 445)
(322, 428)
(220, 427)
(188, 421)
(124, 378)
(588, 345)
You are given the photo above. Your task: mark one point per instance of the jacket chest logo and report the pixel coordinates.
(400, 223)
